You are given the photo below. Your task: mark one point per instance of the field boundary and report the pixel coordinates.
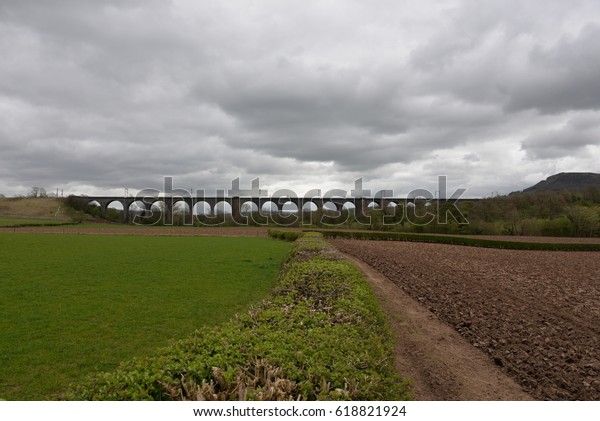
(14, 221)
(461, 241)
(319, 336)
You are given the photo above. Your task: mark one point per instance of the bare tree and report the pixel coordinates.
(37, 192)
(246, 208)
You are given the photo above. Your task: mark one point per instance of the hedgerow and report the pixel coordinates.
(284, 235)
(463, 241)
(320, 335)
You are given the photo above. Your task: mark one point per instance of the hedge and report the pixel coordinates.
(463, 241)
(284, 235)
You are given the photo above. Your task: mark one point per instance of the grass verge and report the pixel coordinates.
(77, 304)
(319, 335)
(462, 241)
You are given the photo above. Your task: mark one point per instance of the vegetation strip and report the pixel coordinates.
(320, 335)
(462, 241)
(284, 235)
(15, 222)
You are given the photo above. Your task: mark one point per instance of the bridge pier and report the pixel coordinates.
(236, 210)
(361, 210)
(125, 214)
(103, 208)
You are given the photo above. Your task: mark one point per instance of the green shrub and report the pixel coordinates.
(320, 335)
(557, 227)
(532, 227)
(284, 235)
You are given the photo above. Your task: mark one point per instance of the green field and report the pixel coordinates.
(71, 305)
(15, 221)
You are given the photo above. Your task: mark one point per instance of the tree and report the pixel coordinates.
(246, 208)
(586, 221)
(38, 192)
(592, 193)
(513, 222)
(548, 205)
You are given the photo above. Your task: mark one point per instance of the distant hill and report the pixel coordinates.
(566, 181)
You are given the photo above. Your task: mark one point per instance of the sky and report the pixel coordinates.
(99, 96)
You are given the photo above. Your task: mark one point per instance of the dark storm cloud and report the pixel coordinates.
(102, 95)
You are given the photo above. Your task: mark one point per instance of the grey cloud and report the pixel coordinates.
(123, 92)
(296, 96)
(504, 53)
(336, 119)
(569, 140)
(471, 157)
(563, 77)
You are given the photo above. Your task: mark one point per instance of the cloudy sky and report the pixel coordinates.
(96, 96)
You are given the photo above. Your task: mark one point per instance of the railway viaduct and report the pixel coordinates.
(361, 204)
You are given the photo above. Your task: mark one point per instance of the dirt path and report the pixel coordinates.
(441, 363)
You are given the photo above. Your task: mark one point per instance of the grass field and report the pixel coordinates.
(15, 221)
(74, 304)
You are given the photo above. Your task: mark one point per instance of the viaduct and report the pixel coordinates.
(361, 204)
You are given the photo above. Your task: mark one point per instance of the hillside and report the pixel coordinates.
(572, 181)
(32, 207)
(16, 211)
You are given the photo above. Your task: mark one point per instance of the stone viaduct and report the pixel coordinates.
(361, 204)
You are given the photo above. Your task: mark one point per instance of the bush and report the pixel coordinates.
(320, 335)
(532, 227)
(284, 235)
(585, 220)
(81, 204)
(557, 227)
(77, 203)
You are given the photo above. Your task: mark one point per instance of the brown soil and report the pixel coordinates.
(441, 364)
(533, 314)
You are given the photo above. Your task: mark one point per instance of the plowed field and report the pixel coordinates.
(535, 314)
